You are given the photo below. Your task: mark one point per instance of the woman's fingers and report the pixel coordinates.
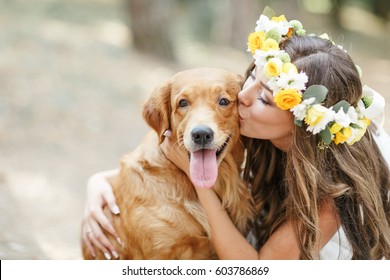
(86, 231)
(97, 222)
(111, 202)
(104, 222)
(100, 240)
(99, 218)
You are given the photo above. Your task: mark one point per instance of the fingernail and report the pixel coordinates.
(167, 133)
(107, 255)
(115, 254)
(119, 240)
(115, 209)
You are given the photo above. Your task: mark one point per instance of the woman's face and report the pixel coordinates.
(260, 117)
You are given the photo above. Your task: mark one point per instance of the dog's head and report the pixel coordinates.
(199, 106)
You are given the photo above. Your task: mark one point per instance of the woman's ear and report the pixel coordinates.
(157, 110)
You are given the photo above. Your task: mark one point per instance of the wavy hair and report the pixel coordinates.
(292, 185)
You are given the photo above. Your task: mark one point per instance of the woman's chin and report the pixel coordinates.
(245, 132)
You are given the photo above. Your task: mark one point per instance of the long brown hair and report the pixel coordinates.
(292, 185)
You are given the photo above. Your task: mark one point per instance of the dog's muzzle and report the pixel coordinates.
(202, 136)
(204, 156)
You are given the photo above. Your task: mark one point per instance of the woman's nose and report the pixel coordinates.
(243, 96)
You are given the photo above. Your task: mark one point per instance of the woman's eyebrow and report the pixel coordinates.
(265, 86)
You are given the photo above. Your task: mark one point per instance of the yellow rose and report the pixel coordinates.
(287, 67)
(290, 32)
(335, 128)
(314, 114)
(342, 135)
(363, 123)
(270, 44)
(273, 68)
(279, 18)
(287, 98)
(255, 41)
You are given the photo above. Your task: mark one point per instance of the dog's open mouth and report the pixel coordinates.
(222, 148)
(204, 165)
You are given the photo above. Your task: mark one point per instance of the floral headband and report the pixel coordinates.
(341, 123)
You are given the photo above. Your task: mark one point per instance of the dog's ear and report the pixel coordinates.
(157, 110)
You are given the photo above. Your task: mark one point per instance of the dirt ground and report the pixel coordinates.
(70, 97)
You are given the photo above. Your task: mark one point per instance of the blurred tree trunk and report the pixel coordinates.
(335, 13)
(382, 8)
(150, 23)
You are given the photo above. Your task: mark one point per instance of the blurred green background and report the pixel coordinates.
(74, 74)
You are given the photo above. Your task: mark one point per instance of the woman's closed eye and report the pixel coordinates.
(262, 99)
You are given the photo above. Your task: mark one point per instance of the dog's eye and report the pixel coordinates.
(183, 103)
(224, 102)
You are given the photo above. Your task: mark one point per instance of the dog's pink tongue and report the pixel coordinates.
(203, 168)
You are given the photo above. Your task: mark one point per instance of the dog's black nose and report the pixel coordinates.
(202, 135)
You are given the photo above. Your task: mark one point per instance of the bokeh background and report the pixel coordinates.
(74, 75)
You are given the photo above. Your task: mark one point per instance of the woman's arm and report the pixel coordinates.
(230, 244)
(99, 194)
(227, 240)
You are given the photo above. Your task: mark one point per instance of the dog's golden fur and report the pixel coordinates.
(161, 217)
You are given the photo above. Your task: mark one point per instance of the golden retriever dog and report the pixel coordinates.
(161, 217)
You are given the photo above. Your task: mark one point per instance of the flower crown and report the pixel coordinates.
(341, 123)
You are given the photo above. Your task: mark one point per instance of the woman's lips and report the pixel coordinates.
(240, 117)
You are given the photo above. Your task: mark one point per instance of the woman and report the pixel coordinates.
(316, 175)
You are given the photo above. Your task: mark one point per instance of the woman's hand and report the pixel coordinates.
(100, 194)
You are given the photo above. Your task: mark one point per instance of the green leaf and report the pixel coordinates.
(326, 135)
(342, 104)
(355, 126)
(298, 122)
(367, 100)
(319, 92)
(268, 12)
